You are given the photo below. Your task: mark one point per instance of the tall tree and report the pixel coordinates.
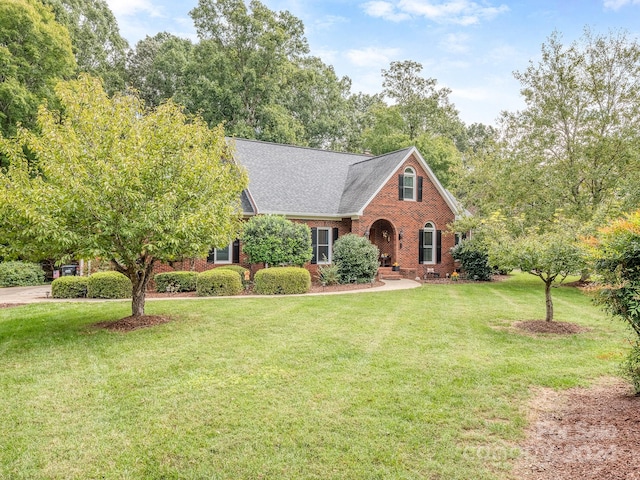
(156, 68)
(244, 56)
(116, 182)
(35, 52)
(97, 44)
(424, 107)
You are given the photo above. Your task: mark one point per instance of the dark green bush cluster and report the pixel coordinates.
(69, 287)
(20, 274)
(356, 259)
(176, 281)
(218, 282)
(108, 285)
(474, 260)
(282, 281)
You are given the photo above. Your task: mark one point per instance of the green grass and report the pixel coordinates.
(421, 383)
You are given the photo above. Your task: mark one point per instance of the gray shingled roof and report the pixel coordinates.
(366, 177)
(293, 180)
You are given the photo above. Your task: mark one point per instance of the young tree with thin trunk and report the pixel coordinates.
(114, 181)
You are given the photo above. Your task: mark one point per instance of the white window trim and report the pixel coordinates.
(409, 172)
(433, 245)
(223, 262)
(320, 260)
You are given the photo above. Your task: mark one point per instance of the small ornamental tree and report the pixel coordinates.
(548, 256)
(616, 257)
(274, 240)
(113, 180)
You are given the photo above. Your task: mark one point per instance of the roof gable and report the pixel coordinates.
(307, 182)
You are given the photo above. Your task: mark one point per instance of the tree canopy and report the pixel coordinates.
(35, 52)
(115, 181)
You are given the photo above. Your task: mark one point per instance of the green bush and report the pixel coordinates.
(236, 268)
(282, 281)
(20, 274)
(356, 258)
(176, 281)
(108, 285)
(630, 367)
(275, 240)
(218, 282)
(329, 274)
(474, 260)
(69, 287)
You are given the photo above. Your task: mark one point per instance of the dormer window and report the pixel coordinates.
(410, 185)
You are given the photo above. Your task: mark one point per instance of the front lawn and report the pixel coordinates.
(424, 383)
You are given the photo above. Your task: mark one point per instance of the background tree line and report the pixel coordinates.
(250, 70)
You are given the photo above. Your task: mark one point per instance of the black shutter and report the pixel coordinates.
(419, 189)
(420, 246)
(235, 255)
(211, 257)
(438, 246)
(314, 245)
(335, 233)
(400, 187)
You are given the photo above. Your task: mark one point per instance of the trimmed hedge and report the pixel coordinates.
(180, 281)
(282, 281)
(20, 274)
(236, 268)
(69, 287)
(108, 285)
(218, 282)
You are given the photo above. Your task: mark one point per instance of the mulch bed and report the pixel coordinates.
(128, 324)
(9, 305)
(556, 328)
(583, 433)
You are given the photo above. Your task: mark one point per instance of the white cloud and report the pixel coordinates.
(618, 4)
(133, 7)
(329, 21)
(460, 12)
(372, 56)
(455, 43)
(385, 10)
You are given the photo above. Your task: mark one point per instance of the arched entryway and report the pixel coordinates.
(383, 235)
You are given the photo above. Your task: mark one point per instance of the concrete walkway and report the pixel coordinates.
(42, 293)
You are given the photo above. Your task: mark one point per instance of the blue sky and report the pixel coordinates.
(469, 46)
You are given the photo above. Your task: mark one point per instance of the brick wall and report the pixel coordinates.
(410, 217)
(405, 215)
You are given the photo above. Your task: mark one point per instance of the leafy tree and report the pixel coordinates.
(550, 254)
(359, 119)
(156, 68)
(116, 182)
(35, 52)
(423, 107)
(575, 145)
(274, 240)
(616, 255)
(97, 44)
(244, 56)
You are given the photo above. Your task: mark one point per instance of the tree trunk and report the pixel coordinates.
(139, 281)
(138, 295)
(547, 293)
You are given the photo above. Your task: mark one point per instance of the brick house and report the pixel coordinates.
(394, 200)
